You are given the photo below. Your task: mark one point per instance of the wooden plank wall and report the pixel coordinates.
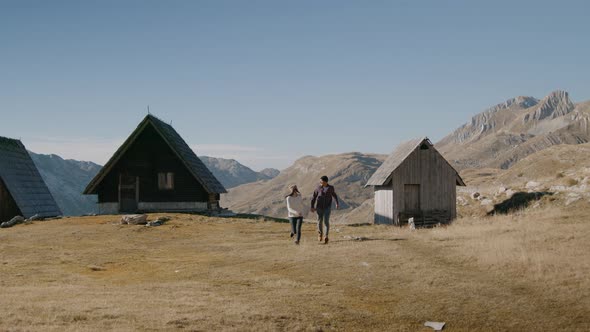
(440, 189)
(436, 178)
(383, 205)
(148, 156)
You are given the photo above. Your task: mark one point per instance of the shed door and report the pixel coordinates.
(128, 192)
(411, 197)
(383, 205)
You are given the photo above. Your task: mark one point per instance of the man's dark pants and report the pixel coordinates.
(323, 219)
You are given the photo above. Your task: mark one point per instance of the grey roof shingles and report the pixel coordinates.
(197, 168)
(24, 182)
(401, 152)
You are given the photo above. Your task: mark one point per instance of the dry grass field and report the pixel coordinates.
(529, 271)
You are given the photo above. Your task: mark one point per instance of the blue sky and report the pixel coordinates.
(266, 82)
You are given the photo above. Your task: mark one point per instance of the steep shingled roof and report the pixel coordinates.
(195, 166)
(24, 182)
(401, 152)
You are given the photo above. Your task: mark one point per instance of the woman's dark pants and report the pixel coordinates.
(296, 226)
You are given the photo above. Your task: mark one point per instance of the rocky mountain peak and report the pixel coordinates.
(520, 102)
(554, 105)
(489, 120)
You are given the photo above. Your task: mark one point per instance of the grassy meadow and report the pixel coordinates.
(528, 271)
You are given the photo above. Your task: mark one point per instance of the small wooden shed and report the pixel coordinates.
(155, 171)
(22, 189)
(415, 181)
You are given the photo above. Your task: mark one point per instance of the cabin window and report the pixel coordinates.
(166, 181)
(423, 147)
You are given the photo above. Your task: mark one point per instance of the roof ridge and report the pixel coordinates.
(401, 152)
(151, 116)
(176, 143)
(9, 139)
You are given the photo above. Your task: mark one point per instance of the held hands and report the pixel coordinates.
(337, 206)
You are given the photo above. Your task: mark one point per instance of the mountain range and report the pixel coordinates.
(516, 128)
(231, 173)
(493, 140)
(66, 179)
(348, 173)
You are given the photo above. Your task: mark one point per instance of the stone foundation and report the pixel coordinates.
(171, 206)
(113, 207)
(108, 208)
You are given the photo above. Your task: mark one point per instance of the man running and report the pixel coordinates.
(322, 204)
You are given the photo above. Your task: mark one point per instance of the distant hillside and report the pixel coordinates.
(510, 131)
(347, 172)
(231, 173)
(560, 174)
(270, 173)
(66, 180)
(559, 165)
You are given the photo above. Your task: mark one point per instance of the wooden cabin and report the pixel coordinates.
(22, 189)
(415, 181)
(155, 171)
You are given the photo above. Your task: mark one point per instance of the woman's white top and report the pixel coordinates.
(295, 206)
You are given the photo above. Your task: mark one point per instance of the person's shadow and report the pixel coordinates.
(363, 239)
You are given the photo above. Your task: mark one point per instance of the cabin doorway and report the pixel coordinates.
(412, 198)
(128, 193)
